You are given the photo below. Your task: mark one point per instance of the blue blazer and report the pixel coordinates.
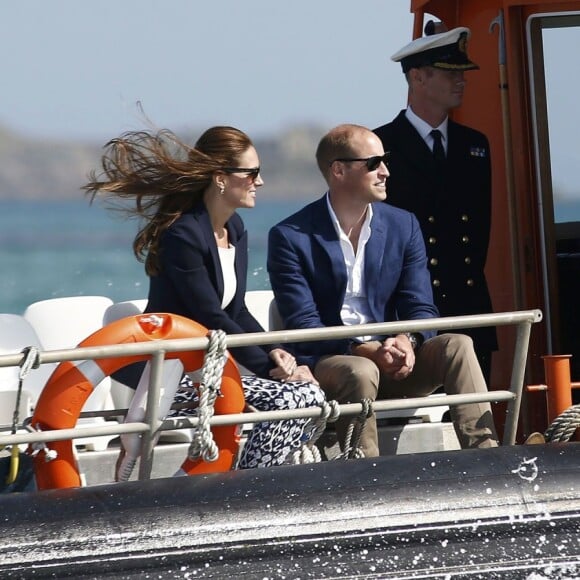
(190, 282)
(309, 278)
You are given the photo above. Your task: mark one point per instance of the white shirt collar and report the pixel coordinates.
(424, 129)
(366, 227)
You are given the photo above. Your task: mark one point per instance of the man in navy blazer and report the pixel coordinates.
(348, 258)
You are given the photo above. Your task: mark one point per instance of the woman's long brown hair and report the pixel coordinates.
(163, 176)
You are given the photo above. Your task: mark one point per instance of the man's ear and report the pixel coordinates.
(415, 75)
(336, 169)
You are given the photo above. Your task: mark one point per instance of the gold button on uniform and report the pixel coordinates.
(431, 219)
(432, 240)
(470, 282)
(465, 239)
(433, 261)
(464, 218)
(436, 283)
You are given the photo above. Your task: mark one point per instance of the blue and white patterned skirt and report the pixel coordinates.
(268, 443)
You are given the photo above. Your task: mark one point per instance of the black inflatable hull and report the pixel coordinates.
(498, 513)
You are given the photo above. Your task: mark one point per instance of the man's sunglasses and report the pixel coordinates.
(372, 163)
(252, 172)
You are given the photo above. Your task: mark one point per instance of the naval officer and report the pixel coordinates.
(440, 170)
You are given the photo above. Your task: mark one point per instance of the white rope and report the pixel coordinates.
(36, 447)
(29, 362)
(309, 452)
(203, 444)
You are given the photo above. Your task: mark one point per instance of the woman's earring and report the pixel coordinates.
(222, 189)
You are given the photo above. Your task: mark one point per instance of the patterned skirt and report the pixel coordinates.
(268, 443)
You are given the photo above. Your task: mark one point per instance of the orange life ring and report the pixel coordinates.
(70, 385)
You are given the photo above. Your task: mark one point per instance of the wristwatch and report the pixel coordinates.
(413, 339)
(353, 343)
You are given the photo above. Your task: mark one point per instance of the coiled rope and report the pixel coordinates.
(354, 432)
(564, 425)
(203, 444)
(309, 452)
(30, 361)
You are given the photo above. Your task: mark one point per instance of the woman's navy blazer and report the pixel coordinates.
(190, 282)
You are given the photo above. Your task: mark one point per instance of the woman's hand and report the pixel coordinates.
(304, 374)
(287, 368)
(285, 364)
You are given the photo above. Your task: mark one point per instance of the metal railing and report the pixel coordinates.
(158, 349)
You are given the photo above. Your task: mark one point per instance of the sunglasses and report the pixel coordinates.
(252, 172)
(372, 163)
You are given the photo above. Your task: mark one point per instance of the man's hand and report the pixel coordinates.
(394, 357)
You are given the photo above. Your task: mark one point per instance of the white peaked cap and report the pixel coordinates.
(446, 50)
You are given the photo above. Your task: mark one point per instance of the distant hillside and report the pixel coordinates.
(44, 169)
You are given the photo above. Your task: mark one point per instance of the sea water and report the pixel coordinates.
(50, 249)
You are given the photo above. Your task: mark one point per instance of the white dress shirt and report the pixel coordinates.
(355, 308)
(227, 257)
(424, 129)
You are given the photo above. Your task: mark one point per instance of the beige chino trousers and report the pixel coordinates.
(446, 360)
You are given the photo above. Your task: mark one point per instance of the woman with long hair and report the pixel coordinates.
(195, 250)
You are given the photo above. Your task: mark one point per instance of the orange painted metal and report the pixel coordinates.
(559, 391)
(514, 266)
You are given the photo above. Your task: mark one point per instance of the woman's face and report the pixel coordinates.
(242, 181)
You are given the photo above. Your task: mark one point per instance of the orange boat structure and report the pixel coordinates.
(534, 254)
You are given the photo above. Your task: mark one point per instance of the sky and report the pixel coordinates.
(78, 68)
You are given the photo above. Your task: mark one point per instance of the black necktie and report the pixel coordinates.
(438, 151)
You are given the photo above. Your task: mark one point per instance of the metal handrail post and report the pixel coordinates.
(523, 331)
(151, 412)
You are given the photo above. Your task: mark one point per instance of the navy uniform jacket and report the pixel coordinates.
(191, 283)
(453, 206)
(308, 274)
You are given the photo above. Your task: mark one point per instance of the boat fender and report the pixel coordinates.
(70, 385)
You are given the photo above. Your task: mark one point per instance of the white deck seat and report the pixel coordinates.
(262, 306)
(63, 323)
(16, 333)
(120, 310)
